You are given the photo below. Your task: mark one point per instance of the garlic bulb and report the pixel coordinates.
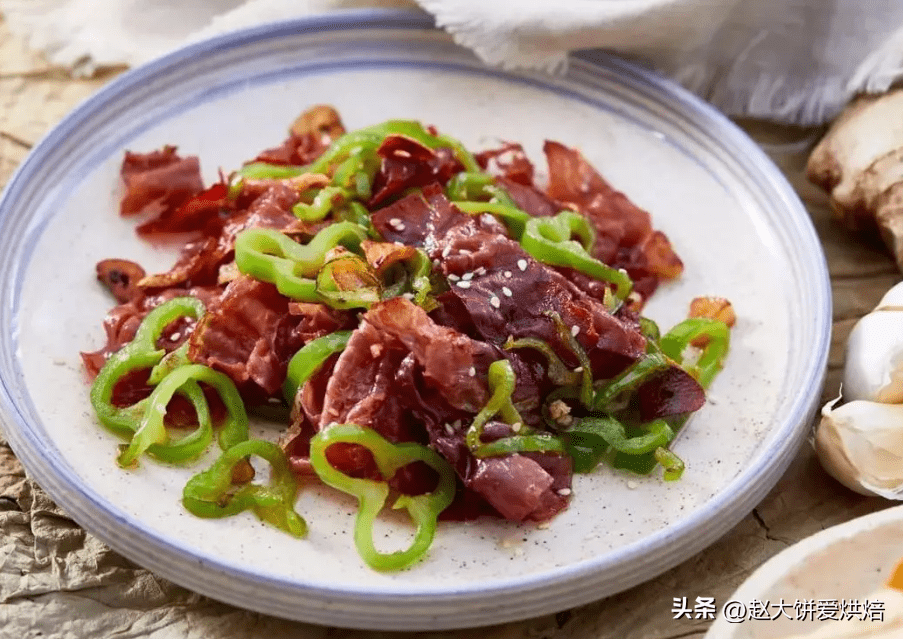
(860, 441)
(861, 445)
(873, 369)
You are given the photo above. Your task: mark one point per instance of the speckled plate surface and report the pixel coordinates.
(737, 224)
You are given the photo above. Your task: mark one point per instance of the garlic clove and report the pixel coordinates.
(892, 300)
(860, 444)
(873, 369)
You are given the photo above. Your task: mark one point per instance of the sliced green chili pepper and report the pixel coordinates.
(272, 256)
(170, 362)
(501, 380)
(675, 341)
(630, 379)
(358, 214)
(306, 361)
(556, 369)
(614, 434)
(475, 187)
(570, 340)
(419, 269)
(650, 330)
(528, 443)
(150, 431)
(501, 384)
(267, 171)
(673, 344)
(348, 282)
(140, 353)
(592, 439)
(514, 218)
(477, 193)
(371, 137)
(469, 185)
(355, 175)
(423, 509)
(151, 435)
(212, 494)
(549, 240)
(672, 464)
(324, 201)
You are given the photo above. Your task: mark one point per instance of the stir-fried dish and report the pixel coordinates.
(429, 327)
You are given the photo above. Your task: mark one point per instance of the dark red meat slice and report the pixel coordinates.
(408, 164)
(249, 334)
(158, 182)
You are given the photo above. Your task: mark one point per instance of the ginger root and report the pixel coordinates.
(859, 163)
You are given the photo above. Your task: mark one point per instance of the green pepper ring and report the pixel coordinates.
(371, 495)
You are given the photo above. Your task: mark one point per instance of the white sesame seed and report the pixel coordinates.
(449, 429)
(496, 302)
(575, 330)
(467, 276)
(543, 525)
(507, 274)
(175, 336)
(564, 492)
(579, 369)
(516, 426)
(465, 252)
(506, 291)
(453, 277)
(408, 296)
(481, 271)
(472, 372)
(400, 226)
(464, 284)
(632, 485)
(522, 265)
(446, 251)
(394, 222)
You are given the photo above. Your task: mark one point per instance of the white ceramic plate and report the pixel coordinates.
(735, 221)
(848, 562)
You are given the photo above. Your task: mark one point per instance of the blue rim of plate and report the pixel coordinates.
(440, 608)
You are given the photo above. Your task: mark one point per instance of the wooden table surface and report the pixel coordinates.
(34, 582)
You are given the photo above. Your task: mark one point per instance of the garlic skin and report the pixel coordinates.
(861, 445)
(859, 439)
(892, 300)
(873, 369)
